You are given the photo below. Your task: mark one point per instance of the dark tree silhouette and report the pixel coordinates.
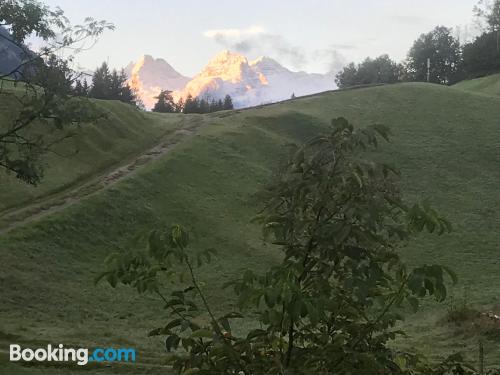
(165, 103)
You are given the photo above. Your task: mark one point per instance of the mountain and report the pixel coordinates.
(148, 76)
(227, 73)
(248, 82)
(281, 82)
(11, 56)
(251, 83)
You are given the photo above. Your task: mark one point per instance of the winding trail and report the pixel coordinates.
(17, 217)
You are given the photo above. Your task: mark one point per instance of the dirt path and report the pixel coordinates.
(18, 217)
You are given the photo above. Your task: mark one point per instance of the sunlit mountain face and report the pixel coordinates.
(227, 73)
(248, 82)
(148, 76)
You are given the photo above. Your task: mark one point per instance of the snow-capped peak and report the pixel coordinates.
(268, 63)
(228, 66)
(259, 81)
(148, 76)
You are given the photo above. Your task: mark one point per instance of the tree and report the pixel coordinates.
(489, 12)
(47, 100)
(79, 89)
(444, 53)
(101, 83)
(129, 96)
(203, 106)
(330, 306)
(215, 105)
(228, 103)
(179, 106)
(111, 85)
(126, 93)
(371, 71)
(165, 103)
(85, 88)
(190, 105)
(115, 86)
(482, 57)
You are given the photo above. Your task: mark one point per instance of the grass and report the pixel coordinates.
(445, 142)
(487, 85)
(94, 149)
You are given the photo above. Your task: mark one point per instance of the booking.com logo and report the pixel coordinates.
(81, 356)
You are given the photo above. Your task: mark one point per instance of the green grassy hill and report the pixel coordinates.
(95, 148)
(445, 142)
(486, 85)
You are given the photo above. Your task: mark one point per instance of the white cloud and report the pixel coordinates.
(234, 33)
(330, 58)
(257, 41)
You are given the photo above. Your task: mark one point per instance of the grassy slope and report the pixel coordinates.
(486, 85)
(445, 141)
(95, 148)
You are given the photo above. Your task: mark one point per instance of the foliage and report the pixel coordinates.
(45, 98)
(332, 303)
(165, 103)
(205, 105)
(444, 53)
(24, 17)
(379, 70)
(81, 88)
(489, 12)
(228, 170)
(228, 103)
(111, 85)
(482, 57)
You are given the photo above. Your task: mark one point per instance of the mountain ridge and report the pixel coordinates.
(260, 81)
(148, 76)
(249, 83)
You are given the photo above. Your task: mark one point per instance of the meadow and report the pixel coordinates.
(445, 142)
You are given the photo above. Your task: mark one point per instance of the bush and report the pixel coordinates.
(332, 304)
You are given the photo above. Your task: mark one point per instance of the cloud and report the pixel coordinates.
(256, 40)
(332, 60)
(406, 19)
(343, 46)
(223, 34)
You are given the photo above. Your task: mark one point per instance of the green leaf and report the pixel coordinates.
(172, 342)
(179, 236)
(206, 333)
(174, 323)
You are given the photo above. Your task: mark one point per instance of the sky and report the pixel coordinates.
(310, 35)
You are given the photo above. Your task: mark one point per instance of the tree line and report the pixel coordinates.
(108, 85)
(166, 104)
(450, 60)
